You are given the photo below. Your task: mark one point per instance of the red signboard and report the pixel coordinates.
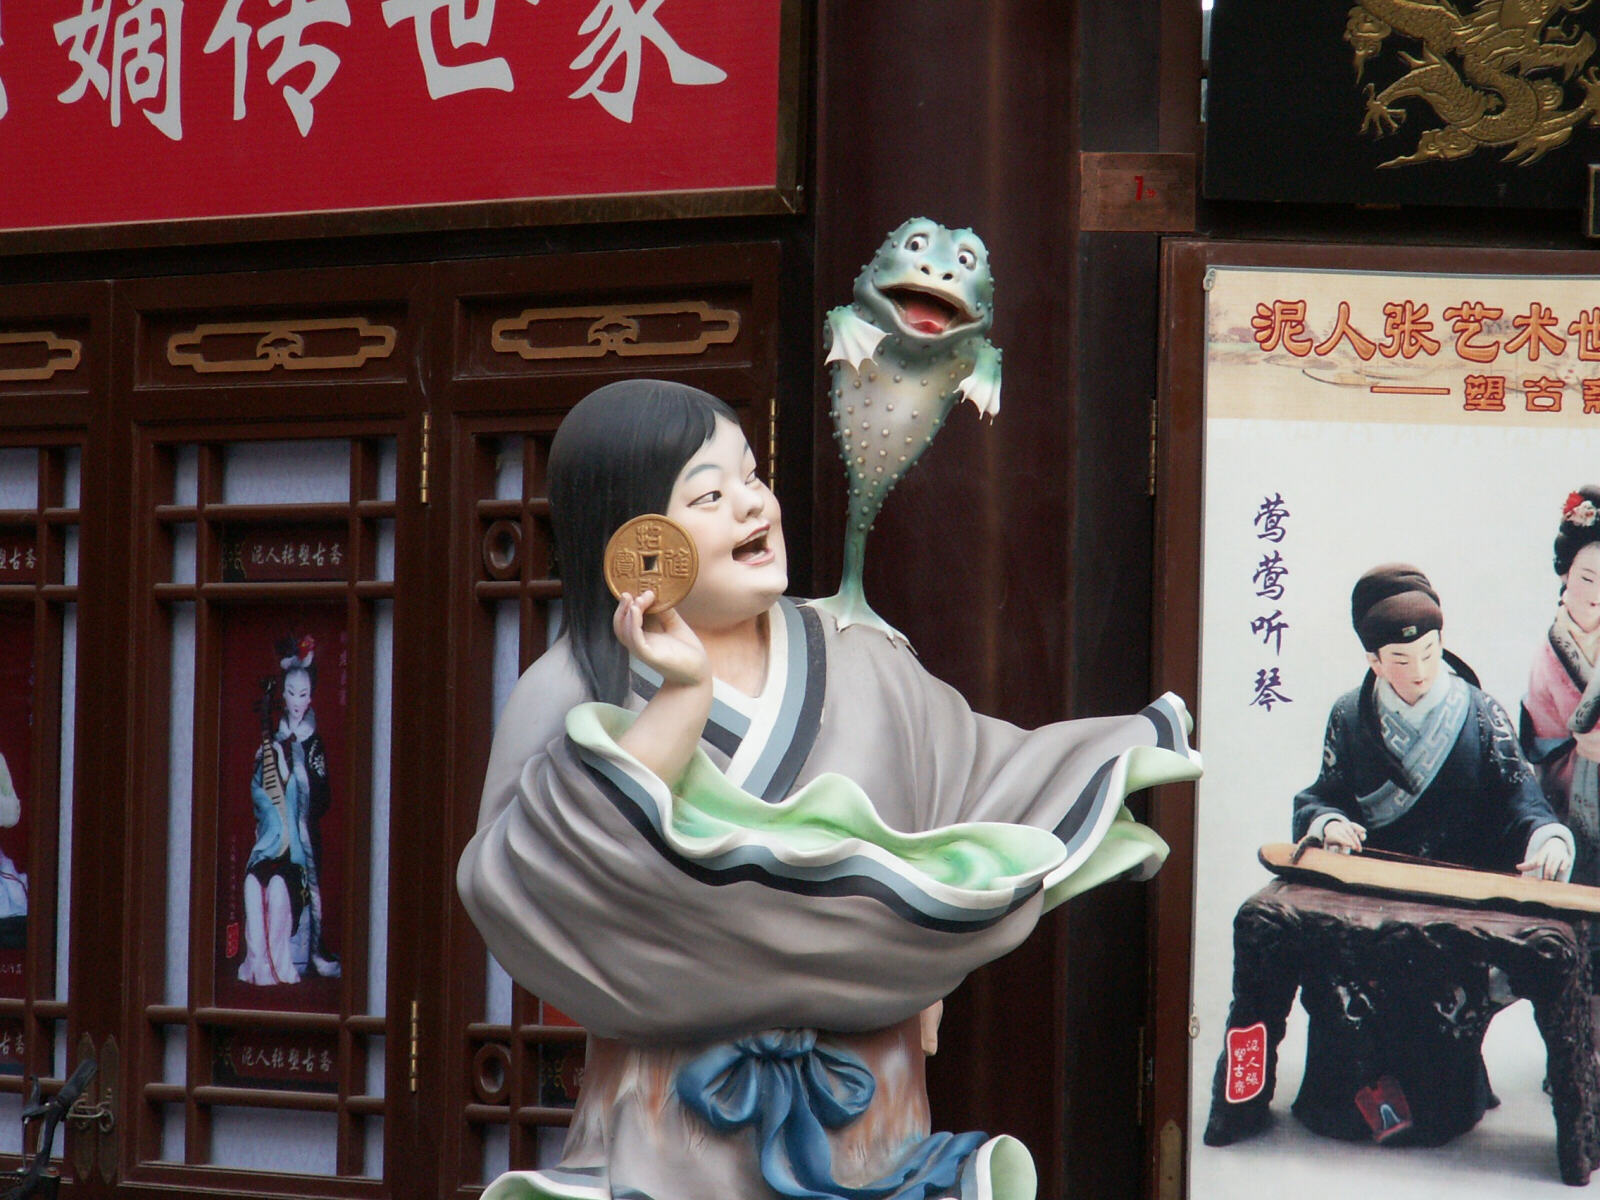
(116, 111)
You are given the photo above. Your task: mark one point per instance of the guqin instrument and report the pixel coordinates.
(1375, 871)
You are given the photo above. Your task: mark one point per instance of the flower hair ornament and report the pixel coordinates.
(300, 654)
(1578, 510)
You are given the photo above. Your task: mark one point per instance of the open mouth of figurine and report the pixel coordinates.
(753, 549)
(926, 312)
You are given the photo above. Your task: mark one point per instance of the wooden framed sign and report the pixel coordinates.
(1481, 103)
(1346, 433)
(130, 121)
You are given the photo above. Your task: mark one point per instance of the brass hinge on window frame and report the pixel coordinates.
(427, 440)
(772, 442)
(416, 1041)
(1150, 477)
(1141, 1081)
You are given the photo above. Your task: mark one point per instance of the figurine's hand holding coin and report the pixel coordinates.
(662, 641)
(650, 565)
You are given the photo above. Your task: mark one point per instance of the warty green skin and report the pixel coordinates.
(893, 386)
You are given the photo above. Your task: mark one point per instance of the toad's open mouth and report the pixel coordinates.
(752, 548)
(926, 312)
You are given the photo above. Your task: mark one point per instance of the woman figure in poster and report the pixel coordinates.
(13, 881)
(298, 732)
(281, 872)
(756, 868)
(1563, 702)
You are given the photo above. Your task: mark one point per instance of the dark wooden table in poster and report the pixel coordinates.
(1399, 994)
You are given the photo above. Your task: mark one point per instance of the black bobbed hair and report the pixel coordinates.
(616, 456)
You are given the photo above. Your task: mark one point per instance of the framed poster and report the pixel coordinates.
(282, 832)
(17, 795)
(179, 121)
(1328, 411)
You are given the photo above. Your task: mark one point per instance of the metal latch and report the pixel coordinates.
(84, 1115)
(93, 1115)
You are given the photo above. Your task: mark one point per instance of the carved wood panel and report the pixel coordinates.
(524, 345)
(414, 373)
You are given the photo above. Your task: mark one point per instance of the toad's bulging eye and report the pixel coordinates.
(967, 259)
(917, 243)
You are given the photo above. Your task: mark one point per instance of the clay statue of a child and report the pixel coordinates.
(749, 851)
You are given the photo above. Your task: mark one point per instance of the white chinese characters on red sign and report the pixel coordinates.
(288, 29)
(1247, 1062)
(144, 68)
(627, 29)
(146, 58)
(176, 109)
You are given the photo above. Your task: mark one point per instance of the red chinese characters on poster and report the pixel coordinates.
(283, 811)
(162, 110)
(1481, 348)
(17, 801)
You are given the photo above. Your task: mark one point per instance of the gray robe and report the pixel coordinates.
(841, 885)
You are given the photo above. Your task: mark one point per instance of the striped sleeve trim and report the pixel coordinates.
(1095, 814)
(871, 871)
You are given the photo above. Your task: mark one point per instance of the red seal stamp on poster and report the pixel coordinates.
(1247, 1062)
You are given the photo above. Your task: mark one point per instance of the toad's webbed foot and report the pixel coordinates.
(849, 609)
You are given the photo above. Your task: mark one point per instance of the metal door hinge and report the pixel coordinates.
(1150, 478)
(415, 1044)
(1140, 1082)
(772, 442)
(427, 440)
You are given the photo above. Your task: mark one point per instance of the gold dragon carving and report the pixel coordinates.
(1477, 72)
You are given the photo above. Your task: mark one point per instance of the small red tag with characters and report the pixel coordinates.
(1247, 1062)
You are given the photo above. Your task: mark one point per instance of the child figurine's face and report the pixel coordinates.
(737, 529)
(1581, 596)
(1410, 668)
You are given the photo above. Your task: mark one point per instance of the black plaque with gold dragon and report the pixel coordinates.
(1493, 103)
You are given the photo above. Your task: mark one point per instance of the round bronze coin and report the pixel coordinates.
(652, 553)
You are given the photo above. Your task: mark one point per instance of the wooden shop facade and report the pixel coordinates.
(290, 308)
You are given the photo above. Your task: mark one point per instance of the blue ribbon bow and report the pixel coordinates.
(793, 1090)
